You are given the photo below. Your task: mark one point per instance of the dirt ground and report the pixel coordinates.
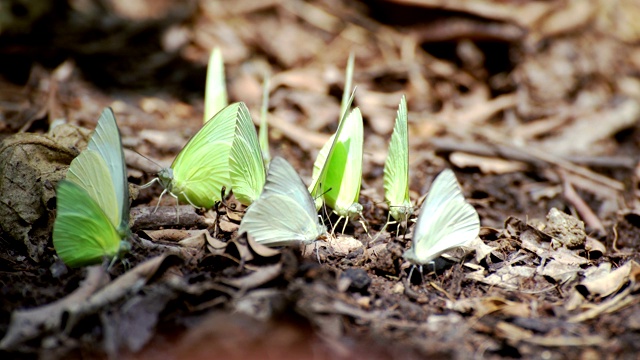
(535, 105)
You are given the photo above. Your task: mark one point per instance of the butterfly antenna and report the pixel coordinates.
(147, 158)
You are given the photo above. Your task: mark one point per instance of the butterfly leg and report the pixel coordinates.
(364, 223)
(411, 273)
(148, 184)
(111, 263)
(333, 229)
(344, 227)
(177, 203)
(159, 200)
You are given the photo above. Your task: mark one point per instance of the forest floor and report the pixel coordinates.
(535, 105)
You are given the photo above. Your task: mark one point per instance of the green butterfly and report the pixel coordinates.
(215, 92)
(224, 153)
(284, 212)
(201, 169)
(248, 156)
(396, 168)
(92, 219)
(337, 171)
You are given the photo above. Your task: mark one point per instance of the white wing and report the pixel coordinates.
(284, 212)
(446, 221)
(107, 142)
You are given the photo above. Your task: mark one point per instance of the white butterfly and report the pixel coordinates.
(446, 221)
(284, 212)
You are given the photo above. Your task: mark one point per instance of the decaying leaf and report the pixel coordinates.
(565, 229)
(30, 167)
(480, 307)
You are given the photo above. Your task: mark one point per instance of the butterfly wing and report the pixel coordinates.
(446, 221)
(107, 142)
(263, 135)
(201, 169)
(90, 171)
(344, 173)
(82, 233)
(215, 92)
(246, 166)
(284, 212)
(396, 168)
(316, 188)
(321, 166)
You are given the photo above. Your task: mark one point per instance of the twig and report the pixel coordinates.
(145, 218)
(589, 217)
(449, 144)
(551, 159)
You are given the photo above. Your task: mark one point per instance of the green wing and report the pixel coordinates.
(82, 233)
(344, 173)
(320, 166)
(345, 104)
(396, 168)
(246, 166)
(201, 169)
(215, 92)
(263, 135)
(107, 142)
(90, 172)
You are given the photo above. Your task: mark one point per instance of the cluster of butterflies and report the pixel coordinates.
(93, 201)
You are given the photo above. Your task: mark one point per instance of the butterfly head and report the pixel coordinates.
(123, 249)
(165, 177)
(401, 213)
(355, 209)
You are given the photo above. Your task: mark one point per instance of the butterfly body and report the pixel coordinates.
(446, 221)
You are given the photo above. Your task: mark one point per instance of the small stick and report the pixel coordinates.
(589, 217)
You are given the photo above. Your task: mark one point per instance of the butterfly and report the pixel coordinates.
(201, 169)
(284, 212)
(446, 221)
(396, 168)
(337, 172)
(246, 162)
(92, 219)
